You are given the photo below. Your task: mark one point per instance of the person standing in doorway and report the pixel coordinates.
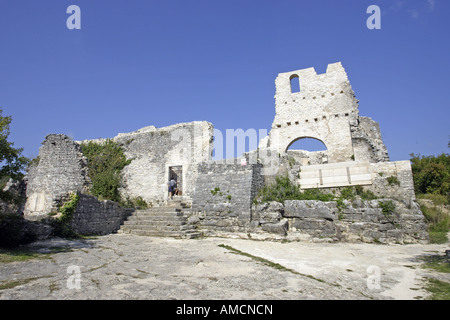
(172, 186)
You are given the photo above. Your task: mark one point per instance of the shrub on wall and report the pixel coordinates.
(105, 162)
(283, 189)
(61, 225)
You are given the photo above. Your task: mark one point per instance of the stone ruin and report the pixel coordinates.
(218, 197)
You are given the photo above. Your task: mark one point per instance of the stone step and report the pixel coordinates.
(191, 234)
(159, 221)
(148, 222)
(173, 215)
(157, 217)
(157, 228)
(160, 209)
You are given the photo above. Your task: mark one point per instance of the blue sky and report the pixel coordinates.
(136, 63)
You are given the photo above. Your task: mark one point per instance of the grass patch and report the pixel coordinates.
(438, 223)
(440, 290)
(26, 254)
(14, 283)
(438, 199)
(436, 262)
(272, 264)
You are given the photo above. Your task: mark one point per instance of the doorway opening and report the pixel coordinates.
(176, 173)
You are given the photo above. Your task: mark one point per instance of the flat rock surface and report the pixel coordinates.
(123, 266)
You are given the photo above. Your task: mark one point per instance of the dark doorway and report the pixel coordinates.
(176, 172)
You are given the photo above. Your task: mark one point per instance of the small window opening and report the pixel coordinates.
(295, 83)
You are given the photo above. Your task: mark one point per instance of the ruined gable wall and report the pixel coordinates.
(61, 169)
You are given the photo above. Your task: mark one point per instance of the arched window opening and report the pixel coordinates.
(308, 151)
(295, 83)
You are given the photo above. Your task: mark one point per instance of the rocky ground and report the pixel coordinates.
(121, 266)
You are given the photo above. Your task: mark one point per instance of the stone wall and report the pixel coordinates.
(153, 151)
(95, 217)
(400, 188)
(358, 221)
(223, 195)
(367, 141)
(59, 169)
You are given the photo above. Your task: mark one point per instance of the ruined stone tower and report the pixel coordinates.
(324, 107)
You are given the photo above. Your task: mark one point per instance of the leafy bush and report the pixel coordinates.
(11, 160)
(105, 161)
(431, 174)
(283, 189)
(432, 181)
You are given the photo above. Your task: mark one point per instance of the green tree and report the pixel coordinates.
(431, 174)
(11, 160)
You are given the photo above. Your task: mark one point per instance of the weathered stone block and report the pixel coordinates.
(308, 209)
(278, 228)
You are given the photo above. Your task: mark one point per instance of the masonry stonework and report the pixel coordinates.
(326, 109)
(60, 168)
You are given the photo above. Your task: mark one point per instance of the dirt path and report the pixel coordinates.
(123, 266)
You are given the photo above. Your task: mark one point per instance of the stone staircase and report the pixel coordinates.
(168, 220)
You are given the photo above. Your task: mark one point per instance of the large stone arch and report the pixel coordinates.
(303, 138)
(333, 132)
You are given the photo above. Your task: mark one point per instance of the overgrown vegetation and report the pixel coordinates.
(137, 202)
(105, 161)
(439, 290)
(388, 209)
(11, 159)
(393, 180)
(12, 226)
(61, 225)
(432, 174)
(432, 182)
(438, 223)
(283, 189)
